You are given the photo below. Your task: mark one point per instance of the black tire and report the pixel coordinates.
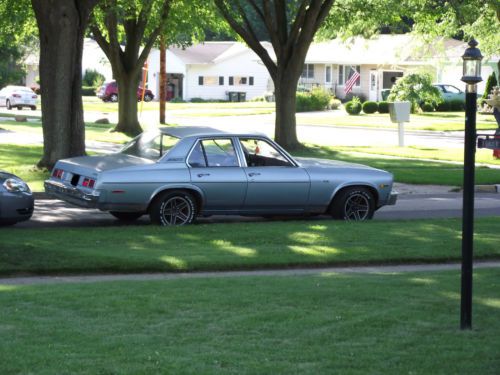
(113, 98)
(353, 204)
(126, 216)
(173, 208)
(19, 107)
(33, 107)
(148, 98)
(7, 104)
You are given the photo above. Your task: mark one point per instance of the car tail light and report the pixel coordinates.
(57, 173)
(34, 96)
(88, 182)
(16, 95)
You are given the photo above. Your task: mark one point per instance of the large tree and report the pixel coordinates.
(61, 26)
(121, 28)
(290, 27)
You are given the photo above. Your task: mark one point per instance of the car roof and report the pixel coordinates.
(188, 131)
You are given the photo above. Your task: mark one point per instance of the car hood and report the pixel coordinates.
(327, 163)
(101, 163)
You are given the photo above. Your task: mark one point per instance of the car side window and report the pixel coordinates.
(452, 89)
(259, 153)
(213, 153)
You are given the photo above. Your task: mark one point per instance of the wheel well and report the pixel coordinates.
(371, 189)
(194, 193)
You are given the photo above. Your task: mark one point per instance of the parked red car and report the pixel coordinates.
(108, 92)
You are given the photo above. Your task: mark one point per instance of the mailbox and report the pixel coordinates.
(400, 111)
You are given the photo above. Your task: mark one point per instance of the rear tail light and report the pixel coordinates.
(34, 96)
(88, 182)
(57, 173)
(16, 95)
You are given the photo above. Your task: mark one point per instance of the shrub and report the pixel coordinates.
(177, 100)
(315, 100)
(383, 107)
(88, 91)
(334, 103)
(427, 107)
(490, 83)
(416, 89)
(444, 106)
(92, 78)
(354, 106)
(370, 107)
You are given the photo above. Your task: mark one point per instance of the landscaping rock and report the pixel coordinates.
(20, 118)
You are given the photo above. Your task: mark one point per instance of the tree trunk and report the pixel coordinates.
(61, 25)
(163, 78)
(128, 122)
(285, 133)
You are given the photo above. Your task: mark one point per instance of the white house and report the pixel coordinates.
(210, 70)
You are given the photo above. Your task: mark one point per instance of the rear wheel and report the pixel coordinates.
(8, 105)
(173, 208)
(33, 107)
(19, 107)
(353, 204)
(148, 98)
(126, 216)
(113, 98)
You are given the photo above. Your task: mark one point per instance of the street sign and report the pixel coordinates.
(491, 143)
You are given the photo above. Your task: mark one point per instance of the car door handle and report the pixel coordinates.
(253, 174)
(203, 174)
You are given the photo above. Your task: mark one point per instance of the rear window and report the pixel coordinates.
(150, 145)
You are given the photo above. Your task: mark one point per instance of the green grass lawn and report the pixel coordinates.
(325, 324)
(93, 132)
(437, 121)
(238, 246)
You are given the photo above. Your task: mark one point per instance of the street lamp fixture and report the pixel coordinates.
(471, 76)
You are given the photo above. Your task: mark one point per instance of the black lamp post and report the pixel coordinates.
(472, 75)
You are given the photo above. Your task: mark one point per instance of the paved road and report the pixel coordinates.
(56, 213)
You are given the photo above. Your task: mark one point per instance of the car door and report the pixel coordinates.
(216, 169)
(275, 183)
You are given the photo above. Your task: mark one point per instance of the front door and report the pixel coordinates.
(275, 183)
(373, 95)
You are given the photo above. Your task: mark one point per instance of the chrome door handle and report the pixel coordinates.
(203, 174)
(253, 174)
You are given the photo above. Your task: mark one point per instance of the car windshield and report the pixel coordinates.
(150, 145)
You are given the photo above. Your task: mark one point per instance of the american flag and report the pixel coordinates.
(351, 81)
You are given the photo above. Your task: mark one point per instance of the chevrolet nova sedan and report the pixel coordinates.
(178, 173)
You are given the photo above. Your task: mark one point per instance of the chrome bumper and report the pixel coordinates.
(71, 194)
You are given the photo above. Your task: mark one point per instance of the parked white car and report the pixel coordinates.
(17, 96)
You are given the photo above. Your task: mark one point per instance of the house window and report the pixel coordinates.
(210, 80)
(240, 81)
(308, 71)
(346, 71)
(328, 74)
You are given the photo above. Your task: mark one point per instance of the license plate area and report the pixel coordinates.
(74, 179)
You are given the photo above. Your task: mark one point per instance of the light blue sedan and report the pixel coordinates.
(178, 173)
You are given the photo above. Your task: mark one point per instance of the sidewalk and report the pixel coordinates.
(389, 269)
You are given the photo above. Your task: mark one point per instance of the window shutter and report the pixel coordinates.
(221, 81)
(231, 81)
(200, 80)
(250, 81)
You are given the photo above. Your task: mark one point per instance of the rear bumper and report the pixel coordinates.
(71, 194)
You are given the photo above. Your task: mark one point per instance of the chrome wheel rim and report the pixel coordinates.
(357, 207)
(176, 211)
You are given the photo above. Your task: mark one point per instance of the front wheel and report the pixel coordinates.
(8, 105)
(353, 204)
(173, 208)
(113, 98)
(148, 98)
(126, 216)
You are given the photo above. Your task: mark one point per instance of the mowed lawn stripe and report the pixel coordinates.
(238, 246)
